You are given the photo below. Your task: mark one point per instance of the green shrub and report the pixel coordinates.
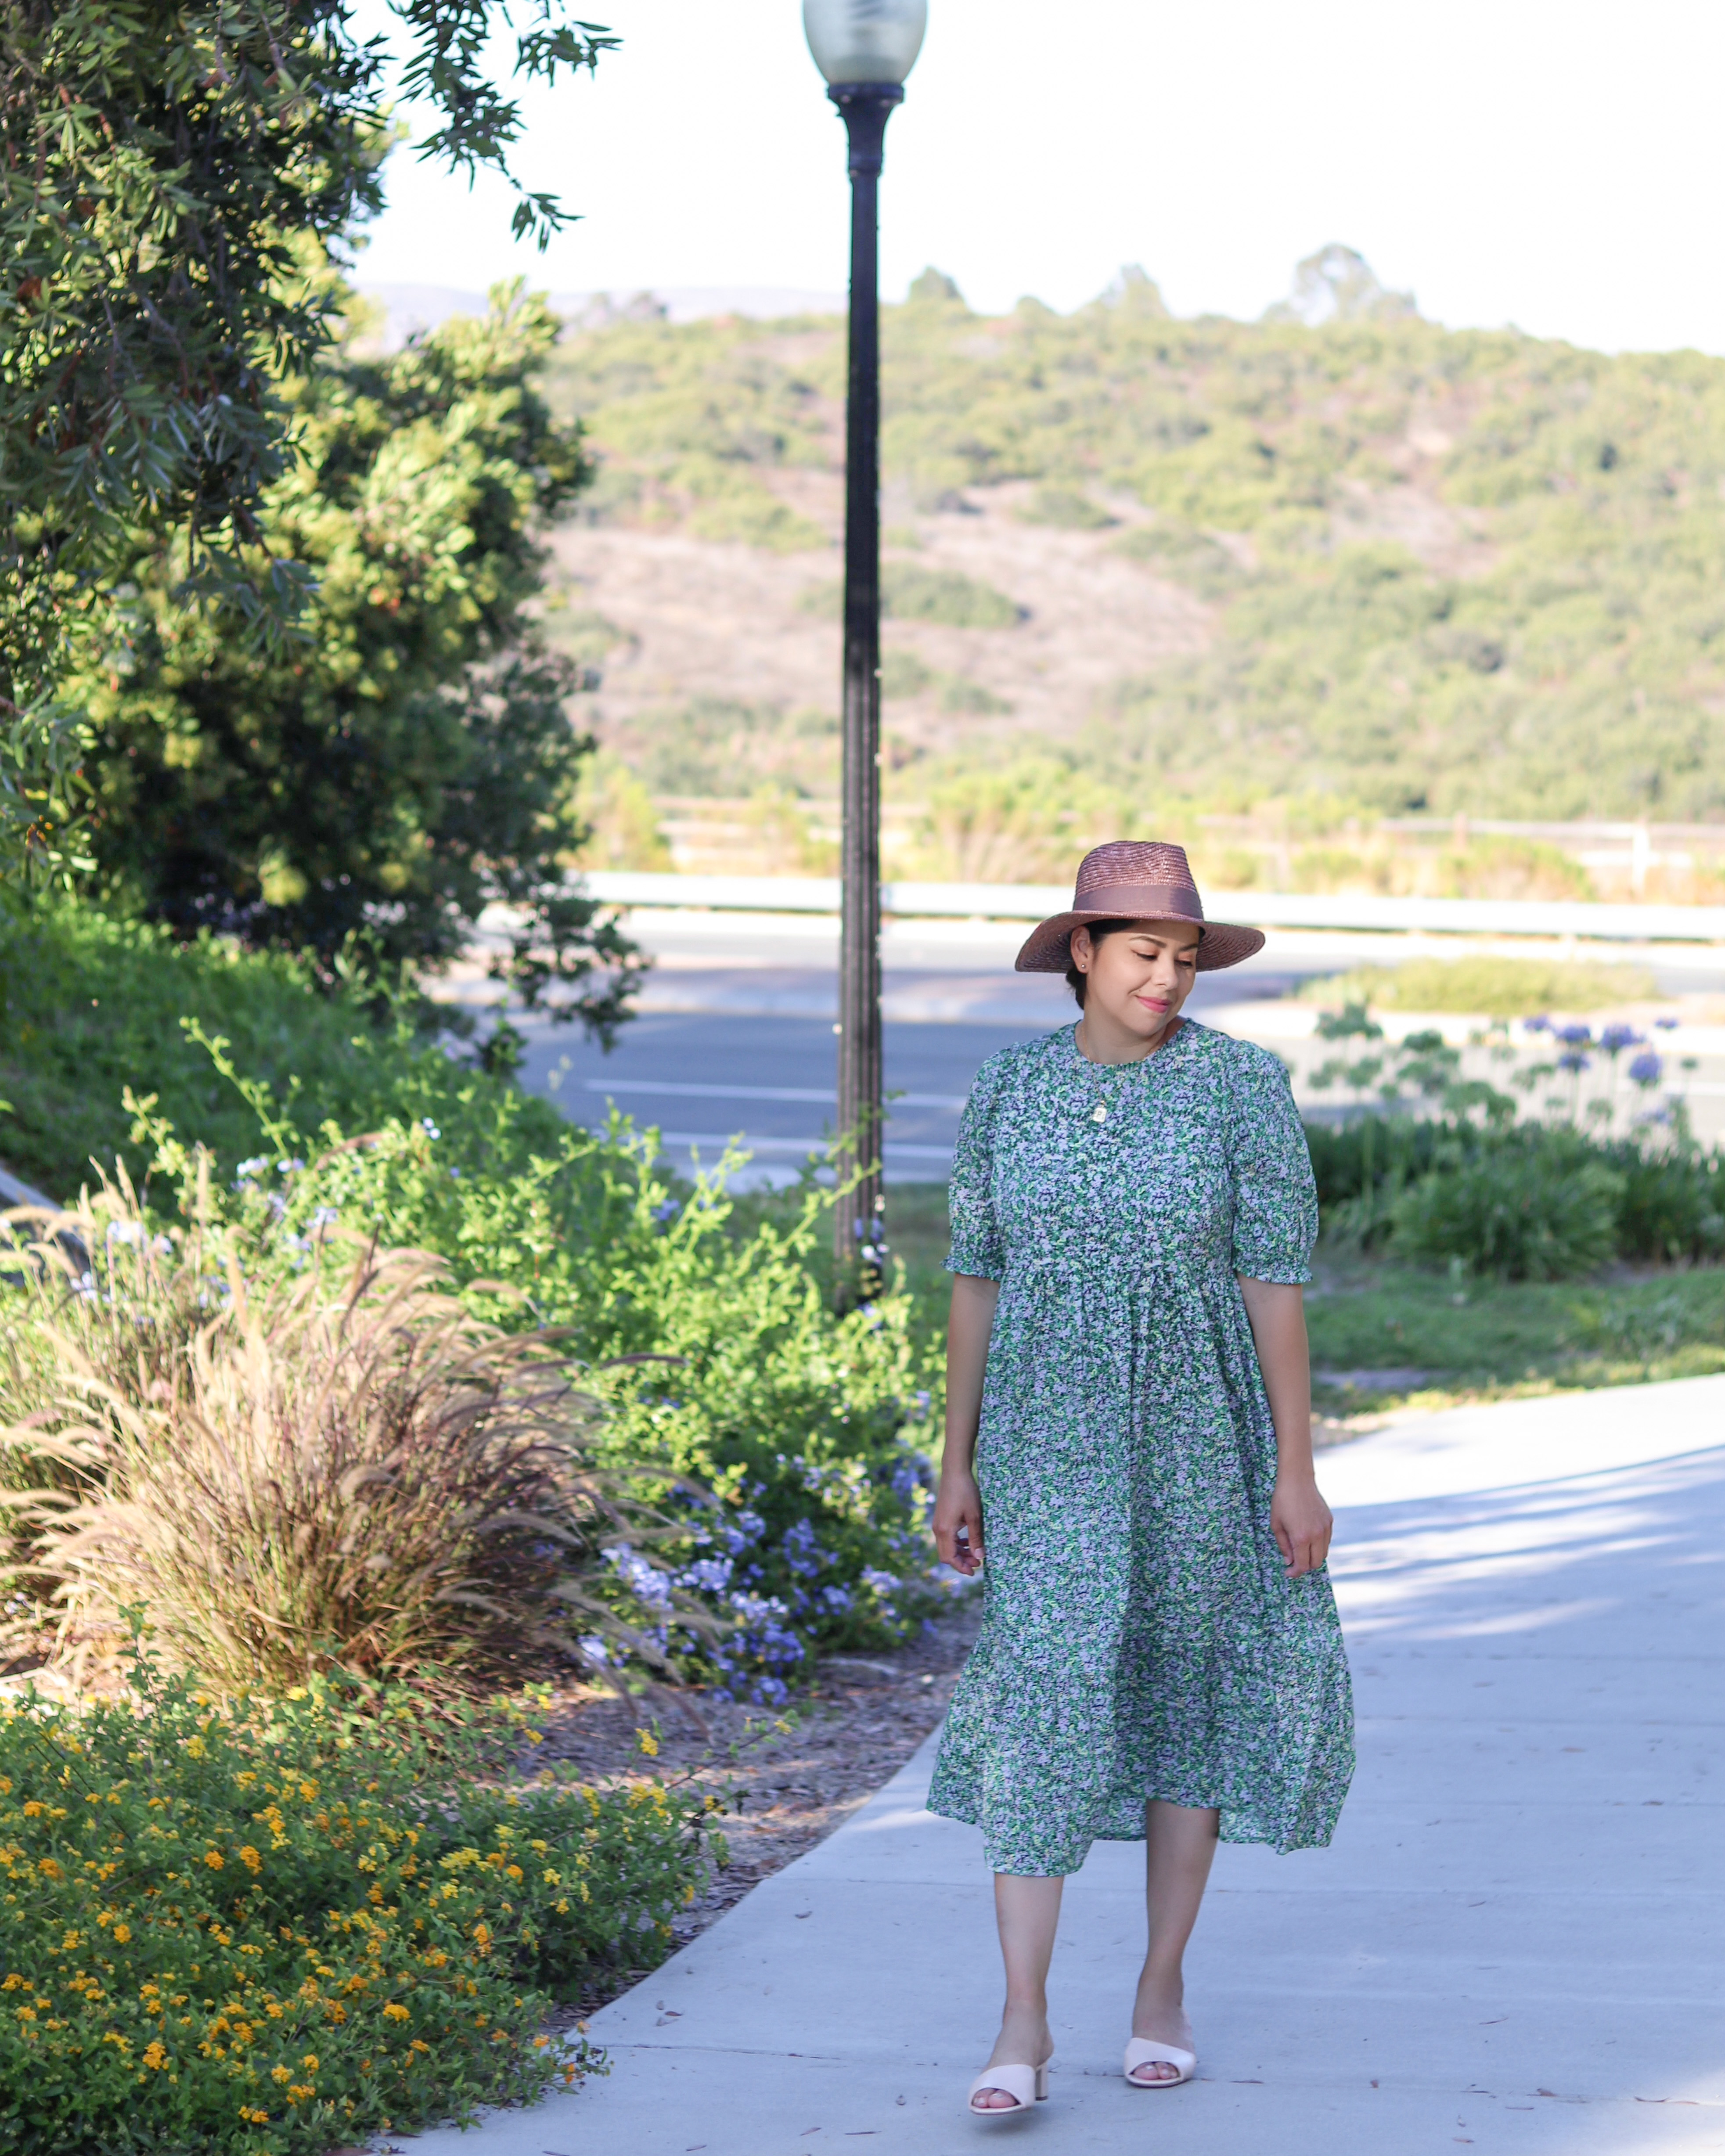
(1362, 1166)
(1494, 988)
(1540, 1211)
(742, 510)
(910, 593)
(1067, 509)
(903, 673)
(961, 696)
(803, 1425)
(90, 1005)
(233, 1926)
(1669, 1205)
(1665, 1319)
(1673, 1205)
(1188, 557)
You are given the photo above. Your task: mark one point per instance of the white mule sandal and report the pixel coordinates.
(1146, 2051)
(1025, 2085)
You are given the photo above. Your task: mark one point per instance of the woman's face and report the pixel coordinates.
(1137, 978)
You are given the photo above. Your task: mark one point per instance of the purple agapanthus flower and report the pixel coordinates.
(1572, 1060)
(1615, 1039)
(1647, 1069)
(1576, 1036)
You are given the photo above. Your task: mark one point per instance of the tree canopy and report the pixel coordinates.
(407, 759)
(173, 175)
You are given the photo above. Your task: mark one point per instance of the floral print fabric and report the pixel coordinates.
(1140, 1636)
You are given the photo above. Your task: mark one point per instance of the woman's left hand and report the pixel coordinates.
(1301, 1521)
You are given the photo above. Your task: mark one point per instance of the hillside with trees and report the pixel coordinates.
(1321, 571)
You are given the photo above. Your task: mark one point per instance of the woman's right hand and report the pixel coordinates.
(958, 1522)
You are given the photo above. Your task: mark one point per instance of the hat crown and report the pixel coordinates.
(1141, 865)
(1136, 880)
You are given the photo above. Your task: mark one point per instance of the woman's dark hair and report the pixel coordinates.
(1078, 982)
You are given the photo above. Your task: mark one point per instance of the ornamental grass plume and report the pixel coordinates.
(128, 1298)
(341, 1470)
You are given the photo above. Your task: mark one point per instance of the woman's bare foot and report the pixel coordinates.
(1024, 2041)
(1160, 2017)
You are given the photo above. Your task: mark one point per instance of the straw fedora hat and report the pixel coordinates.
(1134, 879)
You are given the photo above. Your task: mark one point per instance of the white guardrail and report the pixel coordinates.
(1036, 901)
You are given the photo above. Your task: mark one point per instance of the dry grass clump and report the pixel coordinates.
(341, 1470)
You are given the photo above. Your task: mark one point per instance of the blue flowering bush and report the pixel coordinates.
(805, 1429)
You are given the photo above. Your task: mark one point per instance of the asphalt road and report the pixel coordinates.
(735, 1035)
(705, 1078)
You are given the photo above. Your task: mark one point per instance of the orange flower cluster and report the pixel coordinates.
(232, 1927)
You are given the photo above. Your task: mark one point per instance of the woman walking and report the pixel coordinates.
(1128, 1457)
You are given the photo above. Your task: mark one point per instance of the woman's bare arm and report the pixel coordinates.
(958, 1505)
(1298, 1515)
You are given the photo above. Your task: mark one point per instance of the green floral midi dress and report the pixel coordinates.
(1141, 1638)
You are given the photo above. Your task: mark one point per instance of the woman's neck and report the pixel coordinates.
(1109, 1044)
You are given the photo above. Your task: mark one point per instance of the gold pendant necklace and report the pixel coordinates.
(1099, 1113)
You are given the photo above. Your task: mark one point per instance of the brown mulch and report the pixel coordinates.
(849, 1731)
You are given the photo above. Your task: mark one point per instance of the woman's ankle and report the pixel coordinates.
(1161, 1990)
(1023, 2009)
(1024, 2034)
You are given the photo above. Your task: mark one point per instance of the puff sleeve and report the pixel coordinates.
(1275, 1191)
(977, 1248)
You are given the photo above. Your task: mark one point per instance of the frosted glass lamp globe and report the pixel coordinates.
(864, 40)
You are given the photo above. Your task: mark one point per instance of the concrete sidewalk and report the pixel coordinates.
(1514, 1944)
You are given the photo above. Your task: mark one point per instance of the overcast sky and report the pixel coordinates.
(1555, 166)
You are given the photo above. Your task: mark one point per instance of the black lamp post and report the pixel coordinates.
(864, 48)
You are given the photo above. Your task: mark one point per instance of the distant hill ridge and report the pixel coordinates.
(1402, 568)
(407, 308)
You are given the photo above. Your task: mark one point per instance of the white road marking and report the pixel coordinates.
(689, 1091)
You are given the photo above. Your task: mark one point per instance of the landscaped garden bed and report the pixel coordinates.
(377, 1391)
(406, 1416)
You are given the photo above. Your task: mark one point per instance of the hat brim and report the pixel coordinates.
(1047, 947)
